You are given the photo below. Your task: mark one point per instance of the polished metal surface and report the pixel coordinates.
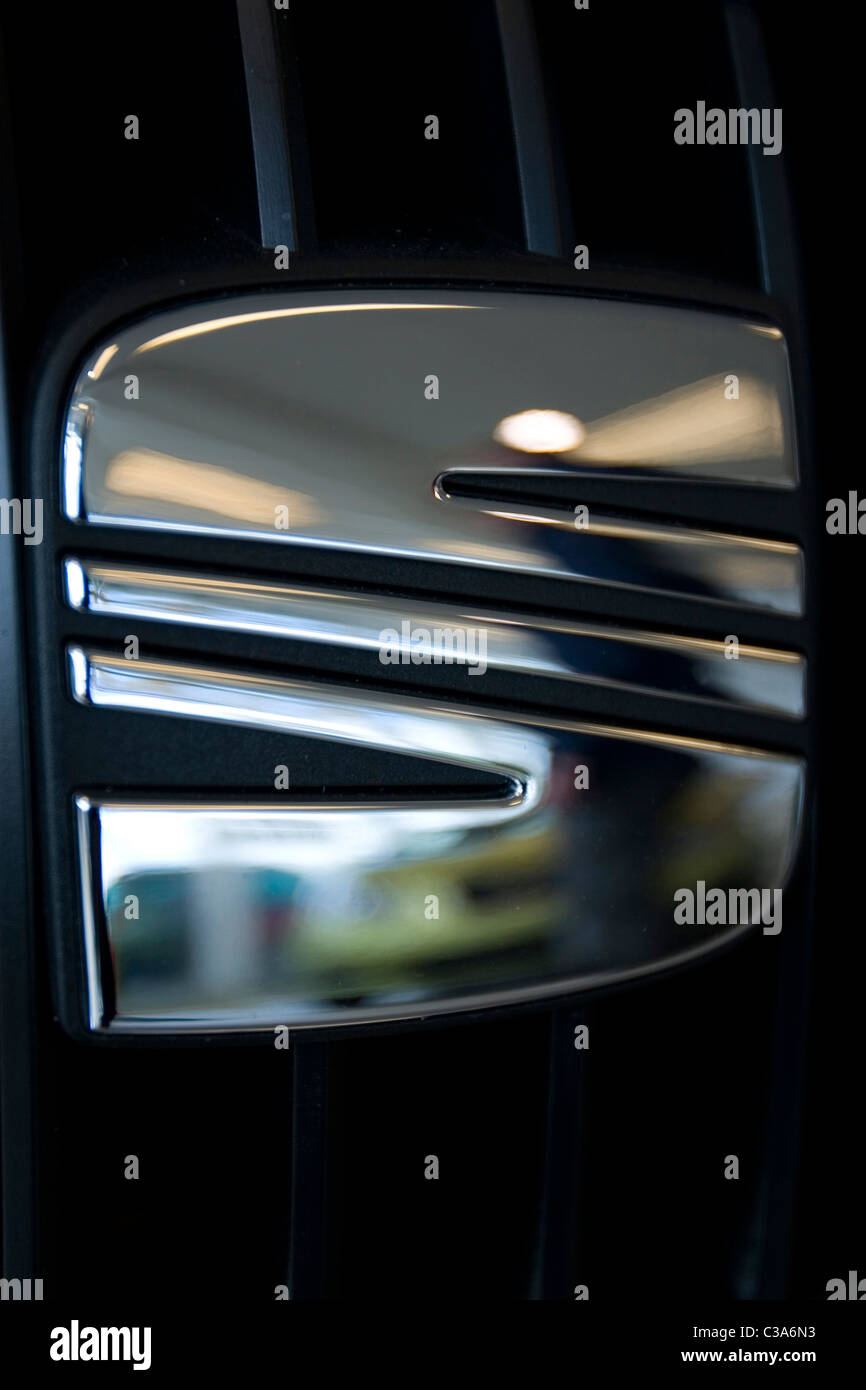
(327, 418)
(409, 632)
(714, 566)
(301, 912)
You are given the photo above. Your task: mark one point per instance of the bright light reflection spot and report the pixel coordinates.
(540, 431)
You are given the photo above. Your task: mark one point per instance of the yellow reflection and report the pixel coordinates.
(690, 425)
(102, 362)
(195, 330)
(207, 487)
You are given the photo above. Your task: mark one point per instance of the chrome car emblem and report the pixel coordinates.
(291, 417)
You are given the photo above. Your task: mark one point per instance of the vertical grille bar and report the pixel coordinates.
(777, 255)
(555, 1270)
(278, 164)
(307, 1240)
(542, 195)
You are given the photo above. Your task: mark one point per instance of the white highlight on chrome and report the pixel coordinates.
(540, 431)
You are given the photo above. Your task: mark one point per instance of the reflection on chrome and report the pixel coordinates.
(223, 491)
(73, 456)
(715, 566)
(692, 427)
(420, 729)
(299, 310)
(102, 361)
(318, 404)
(540, 432)
(684, 667)
(305, 912)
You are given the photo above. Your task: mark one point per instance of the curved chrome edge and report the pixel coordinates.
(80, 587)
(79, 673)
(84, 809)
(434, 732)
(283, 1015)
(508, 743)
(405, 632)
(74, 446)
